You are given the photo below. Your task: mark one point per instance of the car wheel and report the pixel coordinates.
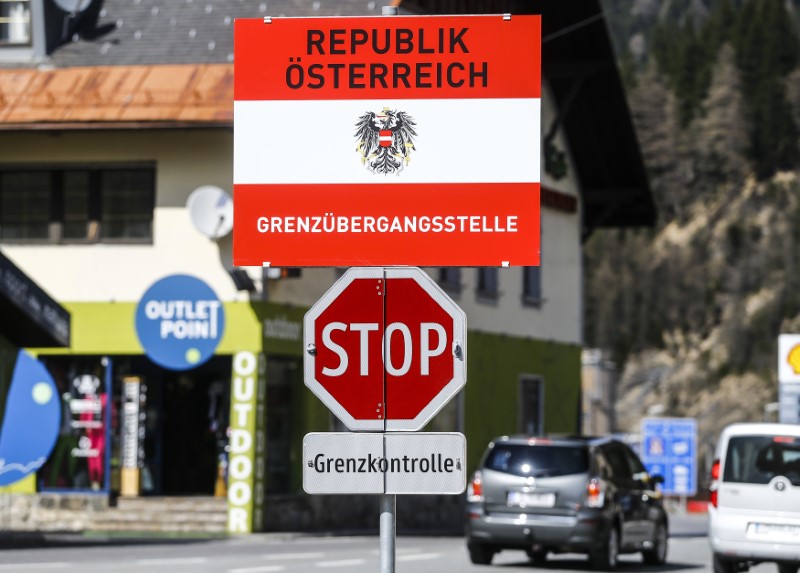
(604, 558)
(657, 555)
(787, 567)
(480, 554)
(722, 565)
(537, 557)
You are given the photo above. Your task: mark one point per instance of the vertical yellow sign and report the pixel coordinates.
(246, 451)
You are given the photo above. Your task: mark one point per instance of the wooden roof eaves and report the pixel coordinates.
(113, 125)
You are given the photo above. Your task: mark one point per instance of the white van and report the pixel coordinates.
(754, 514)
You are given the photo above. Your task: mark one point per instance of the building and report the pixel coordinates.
(113, 115)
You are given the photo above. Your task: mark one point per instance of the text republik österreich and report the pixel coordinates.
(390, 74)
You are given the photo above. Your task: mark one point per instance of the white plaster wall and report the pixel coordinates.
(104, 272)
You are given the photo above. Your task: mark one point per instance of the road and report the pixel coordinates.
(287, 553)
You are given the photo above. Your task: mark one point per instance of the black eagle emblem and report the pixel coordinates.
(385, 140)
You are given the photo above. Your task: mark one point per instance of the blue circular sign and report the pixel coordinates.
(179, 322)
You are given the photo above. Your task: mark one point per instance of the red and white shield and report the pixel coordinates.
(385, 138)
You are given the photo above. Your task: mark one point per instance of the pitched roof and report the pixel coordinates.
(159, 62)
(87, 97)
(135, 32)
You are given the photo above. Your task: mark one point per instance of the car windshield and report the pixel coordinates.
(538, 461)
(758, 459)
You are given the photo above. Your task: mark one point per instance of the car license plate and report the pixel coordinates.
(774, 531)
(525, 499)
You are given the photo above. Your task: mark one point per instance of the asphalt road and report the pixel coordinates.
(287, 553)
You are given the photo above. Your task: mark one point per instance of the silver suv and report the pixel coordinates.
(554, 495)
(754, 514)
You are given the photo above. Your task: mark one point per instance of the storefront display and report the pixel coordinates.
(80, 458)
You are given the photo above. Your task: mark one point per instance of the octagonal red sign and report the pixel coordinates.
(385, 349)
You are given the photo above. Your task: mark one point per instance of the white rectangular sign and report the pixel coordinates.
(338, 142)
(385, 463)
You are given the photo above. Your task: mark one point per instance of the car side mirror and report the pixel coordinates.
(656, 479)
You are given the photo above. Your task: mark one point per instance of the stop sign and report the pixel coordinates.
(385, 349)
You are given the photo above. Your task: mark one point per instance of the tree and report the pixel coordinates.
(723, 131)
(766, 52)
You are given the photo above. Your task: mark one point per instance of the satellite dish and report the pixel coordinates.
(73, 6)
(211, 211)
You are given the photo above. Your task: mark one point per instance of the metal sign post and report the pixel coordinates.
(388, 533)
(385, 463)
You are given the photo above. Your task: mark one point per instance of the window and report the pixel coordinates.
(531, 405)
(538, 461)
(450, 279)
(615, 455)
(488, 283)
(758, 459)
(77, 204)
(15, 22)
(532, 285)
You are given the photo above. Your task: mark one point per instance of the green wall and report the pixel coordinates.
(109, 328)
(281, 321)
(494, 365)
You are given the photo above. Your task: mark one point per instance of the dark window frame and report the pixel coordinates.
(525, 383)
(487, 285)
(94, 208)
(7, 43)
(532, 289)
(450, 279)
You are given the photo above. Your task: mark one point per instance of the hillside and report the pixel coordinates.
(690, 311)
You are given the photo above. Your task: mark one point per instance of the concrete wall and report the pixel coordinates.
(49, 511)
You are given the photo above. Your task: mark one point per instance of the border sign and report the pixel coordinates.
(669, 449)
(408, 463)
(411, 140)
(385, 349)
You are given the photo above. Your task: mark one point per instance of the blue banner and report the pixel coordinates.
(31, 421)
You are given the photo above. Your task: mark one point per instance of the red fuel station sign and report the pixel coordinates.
(386, 349)
(382, 141)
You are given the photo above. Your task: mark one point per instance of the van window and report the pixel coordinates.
(758, 459)
(538, 461)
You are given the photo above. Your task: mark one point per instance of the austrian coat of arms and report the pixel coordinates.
(385, 140)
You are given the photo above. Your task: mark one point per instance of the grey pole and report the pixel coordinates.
(388, 502)
(388, 510)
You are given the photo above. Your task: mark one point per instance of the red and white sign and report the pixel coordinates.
(386, 141)
(385, 349)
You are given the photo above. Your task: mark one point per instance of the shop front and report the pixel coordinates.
(149, 394)
(29, 412)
